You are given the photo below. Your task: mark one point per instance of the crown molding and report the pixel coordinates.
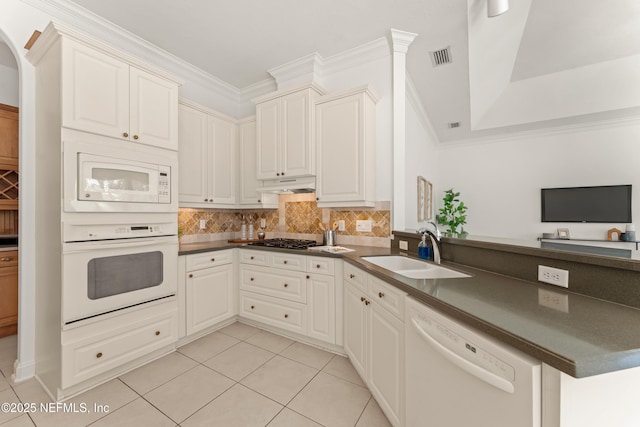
(70, 14)
(365, 53)
(305, 69)
(400, 40)
(414, 98)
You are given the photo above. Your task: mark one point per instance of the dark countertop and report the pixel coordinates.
(593, 337)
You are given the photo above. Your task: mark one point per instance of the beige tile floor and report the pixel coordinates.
(238, 376)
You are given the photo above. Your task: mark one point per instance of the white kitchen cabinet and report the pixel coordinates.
(284, 133)
(106, 95)
(374, 339)
(249, 196)
(345, 145)
(296, 293)
(209, 290)
(207, 157)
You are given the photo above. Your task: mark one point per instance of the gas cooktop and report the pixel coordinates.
(285, 243)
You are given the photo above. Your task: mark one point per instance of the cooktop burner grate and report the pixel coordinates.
(285, 243)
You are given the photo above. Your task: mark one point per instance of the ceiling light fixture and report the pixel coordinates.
(497, 7)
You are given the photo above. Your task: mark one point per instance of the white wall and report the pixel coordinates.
(9, 86)
(421, 160)
(500, 179)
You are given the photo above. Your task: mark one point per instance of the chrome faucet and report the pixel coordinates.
(435, 241)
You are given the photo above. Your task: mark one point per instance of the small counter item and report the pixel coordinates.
(329, 238)
(424, 251)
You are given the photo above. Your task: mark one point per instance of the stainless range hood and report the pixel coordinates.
(305, 184)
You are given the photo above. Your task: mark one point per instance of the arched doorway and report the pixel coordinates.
(9, 135)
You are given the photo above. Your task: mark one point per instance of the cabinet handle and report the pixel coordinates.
(99, 355)
(190, 276)
(6, 259)
(362, 299)
(135, 137)
(351, 276)
(380, 294)
(286, 316)
(286, 286)
(252, 307)
(157, 333)
(125, 134)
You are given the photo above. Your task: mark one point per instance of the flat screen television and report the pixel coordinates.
(610, 203)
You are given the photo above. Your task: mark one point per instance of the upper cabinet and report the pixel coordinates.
(346, 143)
(9, 148)
(95, 88)
(104, 95)
(284, 133)
(207, 157)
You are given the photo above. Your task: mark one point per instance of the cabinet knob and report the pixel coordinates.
(317, 199)
(6, 259)
(351, 276)
(99, 355)
(367, 302)
(251, 279)
(362, 299)
(286, 286)
(380, 294)
(259, 201)
(206, 200)
(281, 173)
(308, 277)
(317, 265)
(251, 258)
(190, 276)
(136, 137)
(252, 307)
(125, 134)
(278, 174)
(286, 316)
(213, 259)
(157, 333)
(285, 261)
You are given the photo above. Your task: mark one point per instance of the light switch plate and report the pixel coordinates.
(203, 224)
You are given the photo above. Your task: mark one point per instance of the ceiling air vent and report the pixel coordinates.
(441, 57)
(453, 125)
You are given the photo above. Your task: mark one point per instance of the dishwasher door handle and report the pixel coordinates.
(464, 364)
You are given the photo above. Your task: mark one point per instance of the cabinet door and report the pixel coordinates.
(95, 91)
(295, 137)
(267, 139)
(210, 297)
(222, 154)
(154, 110)
(321, 308)
(192, 156)
(248, 180)
(386, 362)
(8, 298)
(355, 334)
(9, 135)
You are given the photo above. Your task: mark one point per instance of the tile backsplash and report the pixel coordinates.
(297, 216)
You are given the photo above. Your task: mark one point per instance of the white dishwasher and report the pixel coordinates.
(457, 376)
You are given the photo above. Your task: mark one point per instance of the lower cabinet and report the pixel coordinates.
(8, 293)
(374, 338)
(292, 292)
(209, 290)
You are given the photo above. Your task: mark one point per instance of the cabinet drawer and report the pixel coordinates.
(274, 311)
(355, 276)
(392, 299)
(289, 262)
(8, 259)
(289, 285)
(320, 265)
(97, 348)
(209, 259)
(255, 257)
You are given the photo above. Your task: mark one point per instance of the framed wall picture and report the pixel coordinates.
(425, 200)
(563, 233)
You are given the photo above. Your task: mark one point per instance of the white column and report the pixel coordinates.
(400, 41)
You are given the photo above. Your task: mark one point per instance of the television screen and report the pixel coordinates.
(610, 203)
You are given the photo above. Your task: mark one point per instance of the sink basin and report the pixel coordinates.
(413, 268)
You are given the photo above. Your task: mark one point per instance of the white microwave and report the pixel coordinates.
(112, 177)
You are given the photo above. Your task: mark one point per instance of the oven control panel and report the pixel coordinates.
(90, 232)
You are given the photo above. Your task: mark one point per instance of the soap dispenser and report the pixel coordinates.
(424, 251)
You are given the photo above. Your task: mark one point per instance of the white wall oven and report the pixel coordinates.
(115, 177)
(130, 265)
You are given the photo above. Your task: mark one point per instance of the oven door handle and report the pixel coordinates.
(119, 244)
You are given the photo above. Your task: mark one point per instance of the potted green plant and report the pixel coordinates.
(453, 213)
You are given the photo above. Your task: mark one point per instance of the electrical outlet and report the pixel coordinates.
(403, 245)
(363, 225)
(203, 224)
(553, 300)
(341, 226)
(553, 276)
(263, 223)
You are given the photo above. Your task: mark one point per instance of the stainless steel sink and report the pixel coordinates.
(413, 268)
